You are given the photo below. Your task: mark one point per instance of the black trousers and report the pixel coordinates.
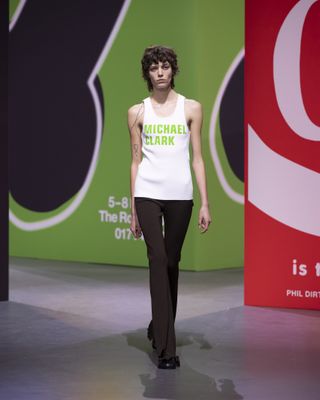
(164, 253)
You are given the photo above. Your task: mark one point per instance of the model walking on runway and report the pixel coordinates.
(161, 188)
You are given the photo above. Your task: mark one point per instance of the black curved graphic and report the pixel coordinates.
(52, 119)
(231, 118)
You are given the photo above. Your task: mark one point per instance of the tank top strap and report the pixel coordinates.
(147, 105)
(180, 113)
(180, 105)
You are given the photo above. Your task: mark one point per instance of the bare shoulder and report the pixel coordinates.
(193, 104)
(193, 108)
(134, 110)
(135, 114)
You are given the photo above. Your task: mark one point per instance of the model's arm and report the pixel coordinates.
(195, 117)
(134, 115)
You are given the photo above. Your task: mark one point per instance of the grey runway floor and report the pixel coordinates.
(78, 332)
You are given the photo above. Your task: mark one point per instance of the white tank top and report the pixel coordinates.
(164, 172)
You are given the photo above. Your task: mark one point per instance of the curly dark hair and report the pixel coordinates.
(154, 54)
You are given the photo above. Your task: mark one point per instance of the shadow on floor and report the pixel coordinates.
(184, 383)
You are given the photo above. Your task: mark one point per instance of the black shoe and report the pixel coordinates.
(169, 363)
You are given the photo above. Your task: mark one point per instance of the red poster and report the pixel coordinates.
(282, 120)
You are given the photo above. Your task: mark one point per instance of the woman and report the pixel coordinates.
(161, 187)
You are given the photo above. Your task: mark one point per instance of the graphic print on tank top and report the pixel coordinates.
(164, 172)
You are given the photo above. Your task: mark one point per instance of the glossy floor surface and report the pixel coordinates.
(78, 332)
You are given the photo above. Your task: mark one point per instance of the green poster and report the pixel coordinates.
(92, 224)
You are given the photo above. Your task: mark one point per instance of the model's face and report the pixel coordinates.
(160, 75)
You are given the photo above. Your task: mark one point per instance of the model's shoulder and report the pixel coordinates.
(193, 105)
(133, 110)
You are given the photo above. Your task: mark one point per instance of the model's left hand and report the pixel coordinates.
(204, 219)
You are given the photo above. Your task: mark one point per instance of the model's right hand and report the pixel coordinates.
(135, 227)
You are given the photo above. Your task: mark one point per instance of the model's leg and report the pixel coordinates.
(149, 214)
(177, 216)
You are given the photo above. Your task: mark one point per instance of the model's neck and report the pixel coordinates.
(162, 96)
